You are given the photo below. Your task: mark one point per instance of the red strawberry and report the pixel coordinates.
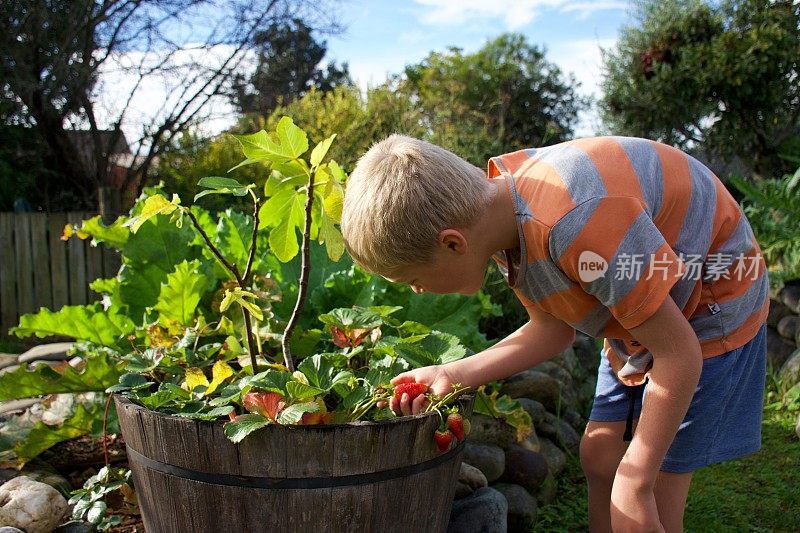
(268, 404)
(443, 439)
(457, 424)
(412, 389)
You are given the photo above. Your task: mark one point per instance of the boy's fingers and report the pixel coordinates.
(405, 405)
(402, 378)
(419, 403)
(394, 405)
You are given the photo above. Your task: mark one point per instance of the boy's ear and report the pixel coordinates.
(454, 240)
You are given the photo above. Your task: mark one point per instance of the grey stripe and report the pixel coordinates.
(523, 215)
(577, 170)
(593, 323)
(644, 158)
(695, 235)
(542, 279)
(683, 289)
(732, 314)
(741, 241)
(641, 241)
(567, 229)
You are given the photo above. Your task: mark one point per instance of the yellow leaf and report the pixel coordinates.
(194, 378)
(219, 373)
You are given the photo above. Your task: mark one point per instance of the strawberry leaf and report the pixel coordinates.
(238, 429)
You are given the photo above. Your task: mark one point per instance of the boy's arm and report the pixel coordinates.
(677, 363)
(541, 338)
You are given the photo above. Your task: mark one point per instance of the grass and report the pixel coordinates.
(757, 493)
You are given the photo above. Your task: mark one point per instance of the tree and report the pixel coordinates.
(288, 66)
(719, 78)
(62, 58)
(505, 96)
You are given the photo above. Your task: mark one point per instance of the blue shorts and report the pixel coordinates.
(724, 419)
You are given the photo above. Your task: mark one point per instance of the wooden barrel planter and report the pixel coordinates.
(364, 476)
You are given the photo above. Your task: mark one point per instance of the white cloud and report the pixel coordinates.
(514, 13)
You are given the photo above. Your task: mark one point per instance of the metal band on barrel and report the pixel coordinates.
(258, 482)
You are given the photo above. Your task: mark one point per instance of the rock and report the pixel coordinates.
(535, 409)
(790, 295)
(488, 458)
(43, 472)
(535, 385)
(55, 351)
(489, 430)
(75, 526)
(560, 432)
(573, 418)
(522, 507)
(587, 353)
(776, 312)
(30, 505)
(532, 442)
(17, 406)
(790, 370)
(8, 359)
(567, 360)
(472, 477)
(462, 491)
(524, 467)
(547, 490)
(778, 348)
(9, 529)
(556, 459)
(789, 326)
(485, 511)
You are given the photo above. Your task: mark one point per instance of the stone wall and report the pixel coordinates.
(783, 339)
(503, 481)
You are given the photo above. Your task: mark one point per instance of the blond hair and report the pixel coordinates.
(402, 193)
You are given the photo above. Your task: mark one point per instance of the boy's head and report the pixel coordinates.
(402, 193)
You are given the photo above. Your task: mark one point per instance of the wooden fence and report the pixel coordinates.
(38, 269)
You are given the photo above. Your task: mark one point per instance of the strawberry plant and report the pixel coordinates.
(202, 319)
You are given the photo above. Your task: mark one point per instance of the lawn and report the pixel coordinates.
(757, 493)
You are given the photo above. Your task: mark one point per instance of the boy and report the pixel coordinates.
(617, 237)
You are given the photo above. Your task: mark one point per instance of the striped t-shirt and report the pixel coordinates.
(610, 226)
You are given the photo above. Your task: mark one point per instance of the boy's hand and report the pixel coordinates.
(438, 379)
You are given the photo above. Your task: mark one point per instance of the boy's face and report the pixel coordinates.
(447, 273)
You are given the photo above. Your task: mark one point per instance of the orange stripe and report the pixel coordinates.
(726, 217)
(547, 193)
(677, 191)
(743, 334)
(603, 232)
(614, 166)
(514, 160)
(726, 290)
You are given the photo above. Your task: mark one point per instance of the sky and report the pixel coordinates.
(382, 36)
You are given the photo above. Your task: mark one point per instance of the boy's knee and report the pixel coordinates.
(601, 450)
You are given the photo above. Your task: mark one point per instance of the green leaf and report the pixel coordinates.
(244, 425)
(332, 238)
(291, 142)
(130, 381)
(209, 416)
(300, 391)
(285, 205)
(217, 182)
(81, 322)
(42, 436)
(322, 372)
(181, 293)
(153, 205)
(115, 235)
(435, 349)
(321, 150)
(293, 413)
(352, 318)
(96, 512)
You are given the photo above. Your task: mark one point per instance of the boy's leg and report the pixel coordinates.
(601, 451)
(671, 490)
